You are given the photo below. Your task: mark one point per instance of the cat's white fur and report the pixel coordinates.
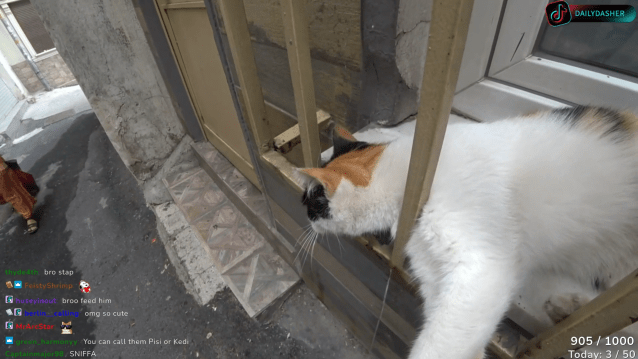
(511, 201)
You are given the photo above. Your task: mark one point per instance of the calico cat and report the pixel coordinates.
(549, 194)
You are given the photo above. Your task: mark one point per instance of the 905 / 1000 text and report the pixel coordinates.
(581, 341)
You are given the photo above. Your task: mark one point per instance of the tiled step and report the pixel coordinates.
(248, 264)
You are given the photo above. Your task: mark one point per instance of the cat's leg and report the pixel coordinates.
(560, 306)
(468, 280)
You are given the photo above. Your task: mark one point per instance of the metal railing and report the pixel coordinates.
(611, 311)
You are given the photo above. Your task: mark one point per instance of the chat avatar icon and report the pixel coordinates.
(66, 328)
(17, 312)
(85, 287)
(8, 299)
(8, 325)
(8, 340)
(17, 284)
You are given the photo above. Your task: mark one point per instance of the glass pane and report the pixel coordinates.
(612, 46)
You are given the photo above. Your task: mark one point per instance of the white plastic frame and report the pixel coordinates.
(520, 80)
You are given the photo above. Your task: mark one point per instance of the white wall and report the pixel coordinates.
(8, 48)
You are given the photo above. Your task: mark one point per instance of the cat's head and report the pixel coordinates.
(342, 196)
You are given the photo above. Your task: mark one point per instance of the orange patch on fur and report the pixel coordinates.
(355, 166)
(630, 122)
(532, 114)
(344, 133)
(593, 120)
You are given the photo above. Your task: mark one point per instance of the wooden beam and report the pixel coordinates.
(236, 25)
(606, 314)
(298, 45)
(288, 139)
(448, 32)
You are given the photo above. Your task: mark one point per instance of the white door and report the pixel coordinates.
(7, 99)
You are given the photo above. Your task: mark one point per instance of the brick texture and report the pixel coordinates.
(54, 70)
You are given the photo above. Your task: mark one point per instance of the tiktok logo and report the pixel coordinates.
(558, 13)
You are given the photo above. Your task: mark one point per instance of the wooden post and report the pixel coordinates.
(448, 31)
(297, 42)
(606, 314)
(236, 25)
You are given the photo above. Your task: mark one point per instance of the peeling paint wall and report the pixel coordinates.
(367, 56)
(413, 29)
(395, 38)
(335, 46)
(394, 54)
(104, 45)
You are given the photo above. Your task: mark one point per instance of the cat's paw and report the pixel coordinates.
(559, 307)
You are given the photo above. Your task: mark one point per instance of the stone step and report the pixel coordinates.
(255, 273)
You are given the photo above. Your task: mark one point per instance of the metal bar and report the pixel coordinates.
(287, 140)
(606, 314)
(298, 45)
(234, 15)
(448, 32)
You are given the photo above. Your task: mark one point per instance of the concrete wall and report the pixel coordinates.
(104, 45)
(395, 37)
(375, 79)
(367, 56)
(413, 29)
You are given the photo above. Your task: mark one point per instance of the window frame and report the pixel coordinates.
(516, 80)
(23, 37)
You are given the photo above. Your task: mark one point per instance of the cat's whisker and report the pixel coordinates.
(302, 244)
(306, 229)
(340, 245)
(303, 234)
(307, 247)
(308, 250)
(312, 253)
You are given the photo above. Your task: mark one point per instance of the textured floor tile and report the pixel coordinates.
(233, 244)
(260, 278)
(220, 164)
(178, 177)
(249, 266)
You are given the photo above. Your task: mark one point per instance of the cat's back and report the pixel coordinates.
(574, 179)
(566, 180)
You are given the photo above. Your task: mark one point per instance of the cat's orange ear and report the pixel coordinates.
(343, 133)
(341, 140)
(328, 178)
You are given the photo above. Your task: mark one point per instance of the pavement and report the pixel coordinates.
(95, 226)
(43, 109)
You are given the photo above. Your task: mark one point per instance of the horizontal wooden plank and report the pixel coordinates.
(288, 139)
(185, 5)
(611, 311)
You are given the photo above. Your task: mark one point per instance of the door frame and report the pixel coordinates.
(149, 18)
